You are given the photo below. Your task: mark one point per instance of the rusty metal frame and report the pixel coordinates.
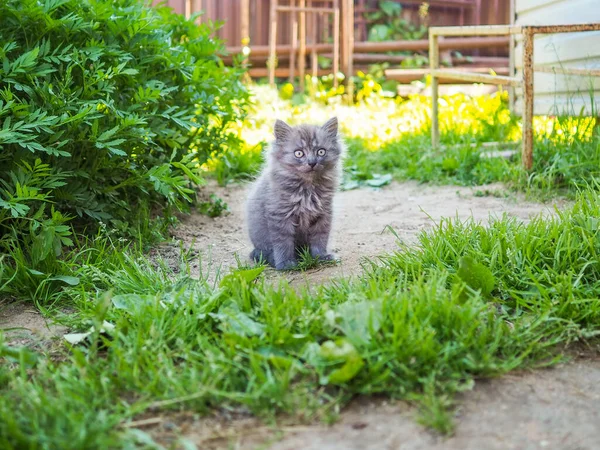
(526, 81)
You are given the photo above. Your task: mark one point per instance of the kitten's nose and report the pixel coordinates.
(312, 163)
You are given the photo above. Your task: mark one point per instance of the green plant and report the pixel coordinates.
(214, 207)
(387, 23)
(107, 111)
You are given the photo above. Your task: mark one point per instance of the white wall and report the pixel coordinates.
(554, 93)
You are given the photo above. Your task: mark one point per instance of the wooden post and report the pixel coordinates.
(198, 8)
(347, 42)
(344, 35)
(294, 47)
(527, 151)
(272, 41)
(314, 59)
(336, 41)
(302, 53)
(350, 43)
(434, 64)
(245, 19)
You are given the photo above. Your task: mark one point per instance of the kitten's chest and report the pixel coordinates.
(306, 207)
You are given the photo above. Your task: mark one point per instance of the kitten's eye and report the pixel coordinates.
(298, 153)
(321, 152)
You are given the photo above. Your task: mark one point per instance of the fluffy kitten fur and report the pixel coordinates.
(291, 203)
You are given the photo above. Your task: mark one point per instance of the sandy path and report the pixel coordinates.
(550, 409)
(360, 229)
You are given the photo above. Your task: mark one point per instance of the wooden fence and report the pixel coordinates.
(441, 13)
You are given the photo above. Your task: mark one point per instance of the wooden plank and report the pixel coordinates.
(344, 55)
(336, 43)
(314, 59)
(389, 46)
(350, 43)
(294, 40)
(406, 76)
(304, 9)
(245, 25)
(264, 50)
(302, 53)
(272, 42)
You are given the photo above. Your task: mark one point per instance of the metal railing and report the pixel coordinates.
(525, 81)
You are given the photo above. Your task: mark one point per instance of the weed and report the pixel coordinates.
(215, 207)
(306, 261)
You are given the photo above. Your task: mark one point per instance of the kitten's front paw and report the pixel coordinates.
(327, 256)
(286, 265)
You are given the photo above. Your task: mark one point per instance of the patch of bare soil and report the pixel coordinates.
(23, 325)
(554, 408)
(546, 409)
(361, 227)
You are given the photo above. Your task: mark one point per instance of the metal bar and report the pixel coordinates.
(434, 64)
(549, 29)
(423, 44)
(409, 75)
(527, 150)
(336, 43)
(272, 42)
(567, 70)
(476, 77)
(477, 30)
(304, 9)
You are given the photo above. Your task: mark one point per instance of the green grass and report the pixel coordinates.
(414, 326)
(419, 324)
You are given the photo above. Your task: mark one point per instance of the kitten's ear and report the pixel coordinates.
(331, 127)
(282, 130)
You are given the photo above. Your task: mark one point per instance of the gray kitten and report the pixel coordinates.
(291, 203)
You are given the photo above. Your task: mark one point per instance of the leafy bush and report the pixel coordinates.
(387, 23)
(107, 111)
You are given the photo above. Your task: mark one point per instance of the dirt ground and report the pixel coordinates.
(555, 408)
(550, 409)
(24, 325)
(361, 227)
